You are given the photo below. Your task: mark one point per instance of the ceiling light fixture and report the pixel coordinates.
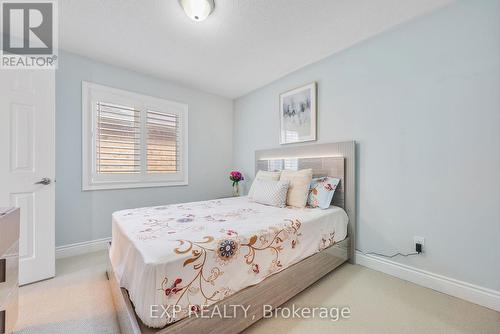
(198, 10)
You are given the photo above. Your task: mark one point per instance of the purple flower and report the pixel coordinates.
(236, 177)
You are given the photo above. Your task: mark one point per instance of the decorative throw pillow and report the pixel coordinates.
(264, 175)
(299, 186)
(321, 192)
(270, 192)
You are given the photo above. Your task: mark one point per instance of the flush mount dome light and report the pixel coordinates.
(198, 10)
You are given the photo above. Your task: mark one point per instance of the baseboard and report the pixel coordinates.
(80, 248)
(463, 290)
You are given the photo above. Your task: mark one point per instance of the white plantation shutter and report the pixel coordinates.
(132, 140)
(117, 139)
(163, 142)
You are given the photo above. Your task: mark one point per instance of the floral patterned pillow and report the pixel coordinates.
(321, 192)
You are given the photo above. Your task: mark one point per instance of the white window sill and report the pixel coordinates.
(122, 185)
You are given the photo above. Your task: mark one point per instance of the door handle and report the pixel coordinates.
(45, 181)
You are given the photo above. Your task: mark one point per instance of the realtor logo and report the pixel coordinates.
(29, 34)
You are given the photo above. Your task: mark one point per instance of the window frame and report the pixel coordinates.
(93, 93)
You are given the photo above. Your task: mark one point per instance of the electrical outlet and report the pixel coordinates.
(419, 240)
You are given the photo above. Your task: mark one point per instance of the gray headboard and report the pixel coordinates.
(331, 159)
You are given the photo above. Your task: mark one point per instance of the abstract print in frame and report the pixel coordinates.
(298, 114)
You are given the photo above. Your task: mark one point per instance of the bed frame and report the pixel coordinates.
(332, 159)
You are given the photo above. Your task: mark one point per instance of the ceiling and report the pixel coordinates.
(243, 45)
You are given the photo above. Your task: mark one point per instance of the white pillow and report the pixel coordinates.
(299, 186)
(270, 192)
(264, 175)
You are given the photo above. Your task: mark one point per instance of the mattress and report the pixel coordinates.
(183, 257)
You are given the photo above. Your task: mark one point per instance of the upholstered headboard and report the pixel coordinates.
(332, 159)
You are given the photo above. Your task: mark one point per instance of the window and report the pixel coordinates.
(132, 140)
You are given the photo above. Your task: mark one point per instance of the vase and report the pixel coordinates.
(236, 189)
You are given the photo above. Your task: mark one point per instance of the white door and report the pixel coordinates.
(27, 156)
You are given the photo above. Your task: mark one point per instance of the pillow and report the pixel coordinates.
(270, 192)
(299, 186)
(264, 175)
(322, 191)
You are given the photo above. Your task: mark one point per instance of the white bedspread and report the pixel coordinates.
(196, 254)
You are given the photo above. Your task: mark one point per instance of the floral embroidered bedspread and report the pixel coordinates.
(187, 256)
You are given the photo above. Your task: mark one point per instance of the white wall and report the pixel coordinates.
(84, 216)
(423, 102)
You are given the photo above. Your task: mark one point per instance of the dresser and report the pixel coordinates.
(9, 268)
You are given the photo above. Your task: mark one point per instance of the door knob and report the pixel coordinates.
(45, 181)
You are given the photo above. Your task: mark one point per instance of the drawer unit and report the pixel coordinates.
(9, 227)
(8, 312)
(9, 268)
(9, 271)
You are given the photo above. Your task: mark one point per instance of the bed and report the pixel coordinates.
(171, 263)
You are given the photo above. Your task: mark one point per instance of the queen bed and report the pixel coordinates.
(171, 263)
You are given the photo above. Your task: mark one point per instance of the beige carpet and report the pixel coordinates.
(78, 301)
(381, 303)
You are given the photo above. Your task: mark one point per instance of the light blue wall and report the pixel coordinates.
(83, 216)
(423, 102)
